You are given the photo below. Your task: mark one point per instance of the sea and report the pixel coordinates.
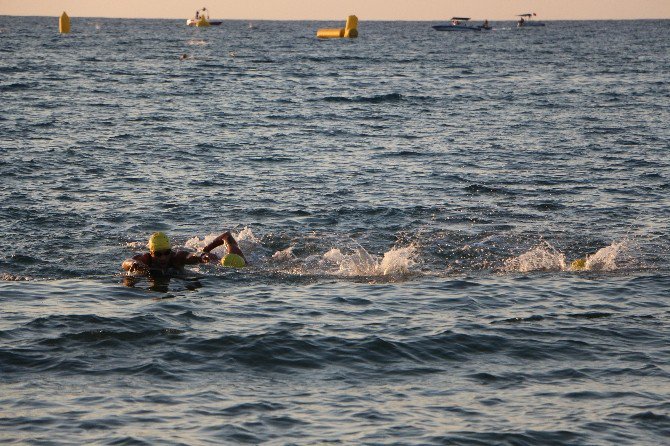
(410, 202)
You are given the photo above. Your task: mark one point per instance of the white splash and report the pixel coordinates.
(197, 244)
(285, 255)
(249, 243)
(605, 259)
(543, 257)
(137, 245)
(397, 261)
(246, 240)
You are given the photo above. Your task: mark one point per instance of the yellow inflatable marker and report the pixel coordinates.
(350, 30)
(233, 260)
(330, 33)
(64, 23)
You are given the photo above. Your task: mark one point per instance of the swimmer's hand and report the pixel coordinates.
(134, 266)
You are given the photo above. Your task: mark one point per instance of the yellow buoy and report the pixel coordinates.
(330, 33)
(350, 30)
(64, 23)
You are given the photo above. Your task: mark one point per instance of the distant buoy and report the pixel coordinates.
(64, 23)
(330, 33)
(350, 30)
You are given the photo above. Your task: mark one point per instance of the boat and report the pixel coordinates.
(201, 19)
(526, 20)
(458, 24)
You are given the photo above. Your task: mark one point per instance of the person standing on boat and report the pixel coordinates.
(486, 24)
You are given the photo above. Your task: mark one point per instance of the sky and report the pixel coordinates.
(339, 9)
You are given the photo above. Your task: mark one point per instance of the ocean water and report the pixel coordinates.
(411, 202)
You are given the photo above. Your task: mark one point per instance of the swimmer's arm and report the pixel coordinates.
(208, 257)
(187, 258)
(135, 266)
(234, 249)
(220, 240)
(139, 263)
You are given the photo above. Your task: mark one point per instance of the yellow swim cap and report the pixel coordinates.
(158, 242)
(233, 260)
(578, 264)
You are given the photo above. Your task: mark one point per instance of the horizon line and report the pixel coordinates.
(340, 19)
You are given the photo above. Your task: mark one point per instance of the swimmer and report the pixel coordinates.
(580, 264)
(183, 56)
(162, 260)
(234, 256)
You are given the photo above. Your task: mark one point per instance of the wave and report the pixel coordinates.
(11, 69)
(13, 278)
(173, 352)
(481, 189)
(270, 349)
(405, 154)
(18, 86)
(527, 437)
(391, 97)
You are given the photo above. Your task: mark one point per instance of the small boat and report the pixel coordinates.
(201, 19)
(458, 24)
(526, 20)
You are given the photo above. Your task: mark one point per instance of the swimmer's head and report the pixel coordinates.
(233, 261)
(578, 264)
(159, 242)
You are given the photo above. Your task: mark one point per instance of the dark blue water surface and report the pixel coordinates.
(411, 202)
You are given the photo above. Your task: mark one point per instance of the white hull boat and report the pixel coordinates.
(459, 24)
